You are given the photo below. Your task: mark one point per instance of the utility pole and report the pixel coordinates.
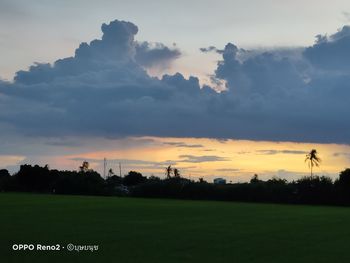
(104, 167)
(120, 169)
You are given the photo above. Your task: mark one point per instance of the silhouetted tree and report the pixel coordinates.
(168, 171)
(110, 172)
(84, 167)
(34, 178)
(72, 182)
(134, 178)
(4, 173)
(201, 180)
(4, 179)
(255, 179)
(176, 172)
(342, 185)
(113, 184)
(314, 190)
(307, 190)
(313, 160)
(153, 178)
(344, 177)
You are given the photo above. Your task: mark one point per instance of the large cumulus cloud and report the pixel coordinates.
(291, 94)
(117, 50)
(104, 90)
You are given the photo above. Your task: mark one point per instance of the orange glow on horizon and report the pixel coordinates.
(236, 160)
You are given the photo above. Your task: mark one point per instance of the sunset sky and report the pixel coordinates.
(215, 88)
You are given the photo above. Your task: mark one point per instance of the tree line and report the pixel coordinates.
(306, 190)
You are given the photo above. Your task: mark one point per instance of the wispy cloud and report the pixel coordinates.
(273, 152)
(228, 170)
(201, 159)
(183, 145)
(127, 162)
(345, 154)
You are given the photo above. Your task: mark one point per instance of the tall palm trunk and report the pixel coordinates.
(312, 159)
(311, 170)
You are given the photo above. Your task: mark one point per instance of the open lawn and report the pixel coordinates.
(152, 230)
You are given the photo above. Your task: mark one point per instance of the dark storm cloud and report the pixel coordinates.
(104, 90)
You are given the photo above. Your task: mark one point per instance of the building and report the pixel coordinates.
(219, 181)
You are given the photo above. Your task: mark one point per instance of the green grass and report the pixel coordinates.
(152, 230)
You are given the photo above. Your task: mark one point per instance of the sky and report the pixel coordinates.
(216, 88)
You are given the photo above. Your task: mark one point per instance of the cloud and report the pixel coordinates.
(9, 160)
(155, 54)
(211, 49)
(183, 145)
(273, 152)
(63, 142)
(339, 154)
(201, 159)
(228, 170)
(114, 51)
(127, 162)
(101, 91)
(117, 51)
(331, 52)
(104, 91)
(284, 96)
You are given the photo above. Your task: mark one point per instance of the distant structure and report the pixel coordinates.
(219, 181)
(104, 167)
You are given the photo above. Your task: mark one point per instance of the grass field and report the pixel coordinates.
(150, 230)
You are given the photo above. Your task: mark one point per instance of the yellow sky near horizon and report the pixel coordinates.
(236, 160)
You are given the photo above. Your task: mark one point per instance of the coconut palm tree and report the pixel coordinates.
(176, 172)
(84, 167)
(313, 160)
(168, 171)
(110, 172)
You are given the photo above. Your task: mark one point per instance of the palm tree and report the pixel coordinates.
(168, 171)
(110, 172)
(84, 167)
(176, 172)
(312, 159)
